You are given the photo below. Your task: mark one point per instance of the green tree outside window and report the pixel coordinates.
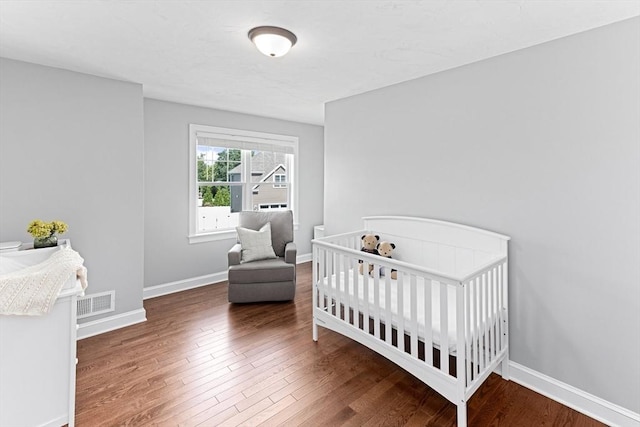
(222, 197)
(227, 160)
(207, 197)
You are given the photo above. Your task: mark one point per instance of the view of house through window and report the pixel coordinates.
(236, 174)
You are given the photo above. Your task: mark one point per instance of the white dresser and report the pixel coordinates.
(38, 357)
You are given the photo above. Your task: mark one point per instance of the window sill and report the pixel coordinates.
(219, 235)
(212, 236)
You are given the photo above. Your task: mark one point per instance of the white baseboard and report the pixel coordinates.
(182, 285)
(100, 326)
(588, 404)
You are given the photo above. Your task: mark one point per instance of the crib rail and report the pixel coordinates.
(349, 243)
(451, 332)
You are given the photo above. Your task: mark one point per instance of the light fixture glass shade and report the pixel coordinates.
(272, 41)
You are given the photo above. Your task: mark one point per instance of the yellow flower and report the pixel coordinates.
(40, 229)
(59, 226)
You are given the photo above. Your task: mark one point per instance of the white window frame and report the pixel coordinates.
(268, 140)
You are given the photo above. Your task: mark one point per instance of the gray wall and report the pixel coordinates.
(543, 145)
(71, 148)
(168, 255)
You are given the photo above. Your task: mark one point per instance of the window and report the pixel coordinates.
(233, 170)
(279, 181)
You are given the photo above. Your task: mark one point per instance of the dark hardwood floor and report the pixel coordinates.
(199, 360)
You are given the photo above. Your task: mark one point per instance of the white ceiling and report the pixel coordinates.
(198, 52)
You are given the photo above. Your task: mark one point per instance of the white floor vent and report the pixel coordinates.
(91, 305)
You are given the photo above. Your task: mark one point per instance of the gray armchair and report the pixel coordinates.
(272, 279)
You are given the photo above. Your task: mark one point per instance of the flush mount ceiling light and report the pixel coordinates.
(272, 41)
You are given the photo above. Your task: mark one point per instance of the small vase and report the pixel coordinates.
(45, 242)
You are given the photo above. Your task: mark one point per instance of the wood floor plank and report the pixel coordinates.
(242, 417)
(265, 415)
(218, 411)
(200, 361)
(219, 418)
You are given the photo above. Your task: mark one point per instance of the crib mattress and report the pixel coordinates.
(344, 282)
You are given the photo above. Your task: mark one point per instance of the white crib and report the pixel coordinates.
(444, 319)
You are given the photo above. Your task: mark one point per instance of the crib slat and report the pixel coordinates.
(401, 313)
(491, 316)
(344, 286)
(487, 337)
(480, 360)
(376, 302)
(428, 320)
(336, 280)
(338, 270)
(414, 316)
(346, 264)
(356, 295)
(327, 266)
(494, 310)
(353, 286)
(460, 339)
(483, 325)
(332, 283)
(504, 330)
(323, 276)
(487, 319)
(444, 328)
(365, 296)
(469, 337)
(500, 311)
(476, 329)
(387, 316)
(344, 292)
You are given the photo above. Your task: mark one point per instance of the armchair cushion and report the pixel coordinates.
(264, 271)
(256, 245)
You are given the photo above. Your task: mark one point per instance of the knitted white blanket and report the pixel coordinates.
(33, 290)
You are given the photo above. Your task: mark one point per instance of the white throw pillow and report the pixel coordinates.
(256, 245)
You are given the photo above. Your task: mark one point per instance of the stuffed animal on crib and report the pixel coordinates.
(385, 249)
(369, 243)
